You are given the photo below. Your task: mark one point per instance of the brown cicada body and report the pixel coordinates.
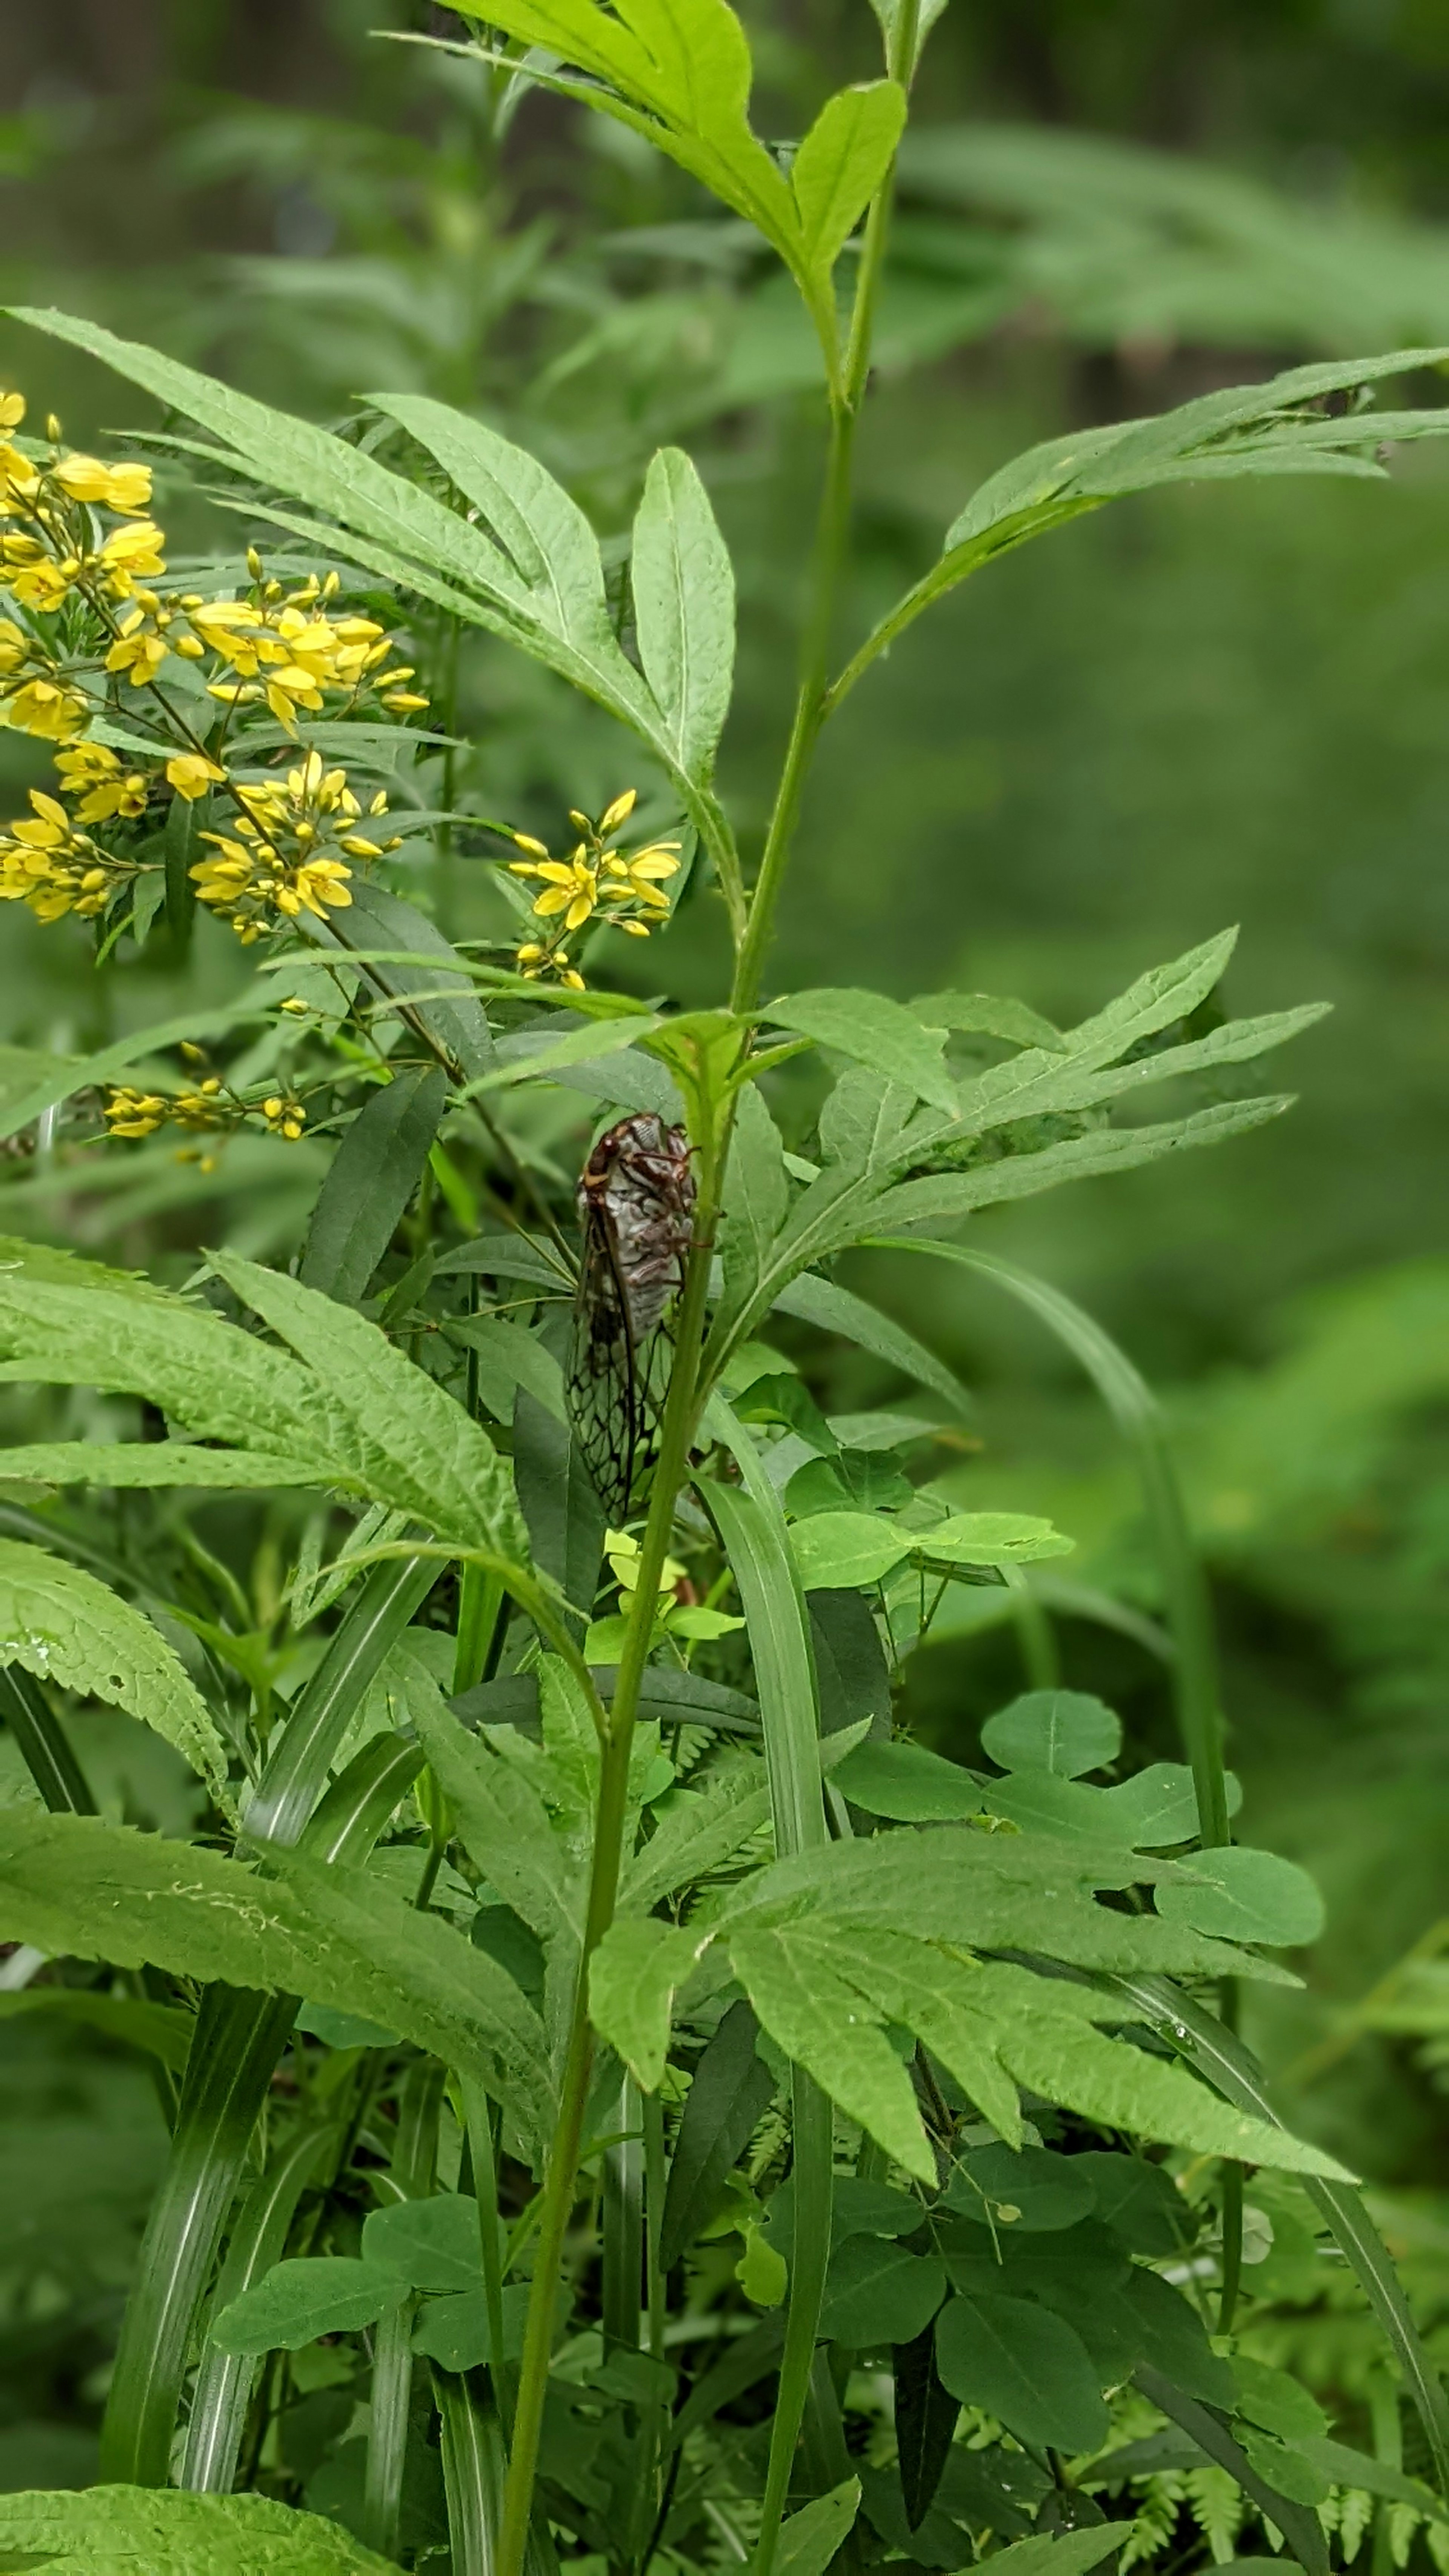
(636, 1204)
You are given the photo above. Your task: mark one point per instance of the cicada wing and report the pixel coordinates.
(602, 1385)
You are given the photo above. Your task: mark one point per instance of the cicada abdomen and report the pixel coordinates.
(636, 1203)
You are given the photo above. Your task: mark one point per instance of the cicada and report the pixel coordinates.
(636, 1204)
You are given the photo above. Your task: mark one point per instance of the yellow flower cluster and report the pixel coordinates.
(282, 856)
(47, 862)
(282, 850)
(277, 646)
(205, 1110)
(595, 875)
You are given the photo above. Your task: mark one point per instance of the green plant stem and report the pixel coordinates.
(676, 1435)
(832, 536)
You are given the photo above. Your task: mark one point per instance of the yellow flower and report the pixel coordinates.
(97, 777)
(280, 859)
(43, 582)
(12, 410)
(284, 1117)
(50, 865)
(125, 488)
(191, 774)
(594, 875)
(639, 879)
(138, 651)
(19, 480)
(135, 1113)
(130, 555)
(570, 887)
(47, 708)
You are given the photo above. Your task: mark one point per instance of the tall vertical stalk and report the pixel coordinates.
(676, 1434)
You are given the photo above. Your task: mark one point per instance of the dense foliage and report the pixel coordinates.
(629, 2098)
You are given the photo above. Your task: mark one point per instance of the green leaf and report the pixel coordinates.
(1046, 2191)
(304, 2297)
(455, 2331)
(876, 2293)
(502, 1822)
(633, 1976)
(732, 2089)
(510, 1357)
(697, 1832)
(837, 1310)
(1300, 2528)
(161, 2030)
(62, 1625)
(151, 1465)
(117, 2531)
(990, 1538)
(407, 955)
(407, 1440)
(1220, 2055)
(684, 609)
(1272, 428)
(906, 1782)
(1276, 2401)
(836, 1550)
(756, 1196)
(990, 1015)
(872, 1031)
(1242, 1895)
(926, 2416)
(1024, 2366)
(79, 1888)
(1067, 1732)
(1063, 2553)
(840, 164)
(373, 1176)
(810, 2540)
(1078, 1158)
(679, 73)
(430, 2244)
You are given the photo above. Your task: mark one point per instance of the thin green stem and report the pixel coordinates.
(560, 2188)
(832, 537)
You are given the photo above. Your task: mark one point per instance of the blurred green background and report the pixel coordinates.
(1204, 707)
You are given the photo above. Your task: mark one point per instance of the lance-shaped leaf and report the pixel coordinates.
(874, 1031)
(399, 1433)
(840, 164)
(684, 608)
(79, 1888)
(64, 1626)
(374, 1173)
(1282, 427)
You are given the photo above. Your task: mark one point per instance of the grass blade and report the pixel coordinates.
(752, 1527)
(472, 2470)
(224, 2380)
(323, 1710)
(239, 2037)
(43, 1743)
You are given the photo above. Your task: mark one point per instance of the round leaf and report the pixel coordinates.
(837, 1551)
(1068, 1732)
(1045, 2191)
(992, 1538)
(1025, 2366)
(877, 2294)
(430, 2244)
(1240, 1895)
